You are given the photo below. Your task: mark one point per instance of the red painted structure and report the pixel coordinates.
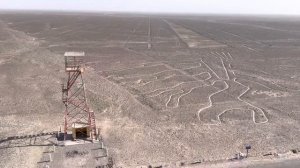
(77, 110)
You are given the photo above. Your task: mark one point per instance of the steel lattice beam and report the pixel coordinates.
(74, 96)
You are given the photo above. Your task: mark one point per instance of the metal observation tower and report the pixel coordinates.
(78, 117)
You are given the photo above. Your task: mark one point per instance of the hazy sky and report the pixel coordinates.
(290, 7)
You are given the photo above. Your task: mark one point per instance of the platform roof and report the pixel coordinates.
(74, 54)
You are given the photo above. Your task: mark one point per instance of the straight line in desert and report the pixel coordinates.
(189, 62)
(166, 89)
(124, 69)
(211, 55)
(249, 48)
(258, 83)
(210, 69)
(119, 87)
(169, 88)
(133, 31)
(182, 72)
(137, 76)
(297, 90)
(233, 72)
(192, 67)
(240, 37)
(230, 55)
(167, 77)
(268, 81)
(170, 69)
(214, 54)
(149, 33)
(220, 55)
(226, 55)
(225, 69)
(176, 33)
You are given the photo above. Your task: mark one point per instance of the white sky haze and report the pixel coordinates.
(286, 7)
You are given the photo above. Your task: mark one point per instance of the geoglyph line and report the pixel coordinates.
(217, 55)
(179, 98)
(204, 73)
(249, 48)
(211, 53)
(210, 69)
(266, 80)
(225, 69)
(219, 115)
(230, 55)
(220, 55)
(239, 98)
(156, 79)
(176, 101)
(192, 67)
(121, 70)
(137, 76)
(179, 39)
(133, 31)
(149, 33)
(210, 101)
(167, 89)
(170, 97)
(258, 83)
(255, 107)
(225, 55)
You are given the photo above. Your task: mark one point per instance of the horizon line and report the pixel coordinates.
(149, 12)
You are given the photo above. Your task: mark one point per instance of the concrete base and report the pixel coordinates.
(76, 155)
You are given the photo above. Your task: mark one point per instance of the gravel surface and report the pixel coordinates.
(164, 89)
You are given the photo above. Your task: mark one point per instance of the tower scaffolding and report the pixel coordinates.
(78, 117)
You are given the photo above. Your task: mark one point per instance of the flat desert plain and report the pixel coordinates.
(165, 89)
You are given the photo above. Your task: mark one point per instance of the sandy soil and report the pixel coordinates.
(164, 88)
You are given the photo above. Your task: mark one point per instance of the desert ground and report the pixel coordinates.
(165, 89)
